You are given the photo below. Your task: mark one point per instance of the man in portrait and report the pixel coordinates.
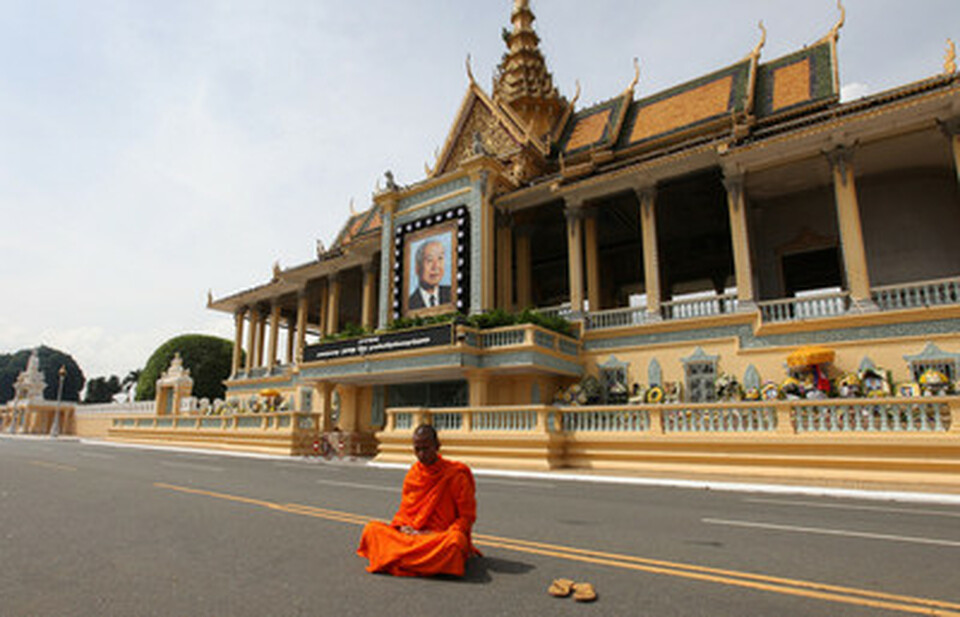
(430, 267)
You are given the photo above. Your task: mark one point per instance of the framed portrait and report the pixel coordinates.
(430, 265)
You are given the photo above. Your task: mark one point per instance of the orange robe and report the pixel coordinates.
(439, 500)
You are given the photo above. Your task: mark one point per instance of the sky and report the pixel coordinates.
(153, 150)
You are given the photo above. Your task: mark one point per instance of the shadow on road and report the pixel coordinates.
(479, 569)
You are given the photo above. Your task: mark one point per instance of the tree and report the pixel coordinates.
(11, 365)
(129, 383)
(209, 359)
(102, 389)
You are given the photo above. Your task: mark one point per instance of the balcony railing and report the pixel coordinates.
(917, 295)
(874, 415)
(810, 307)
(699, 307)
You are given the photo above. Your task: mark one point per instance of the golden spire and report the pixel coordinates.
(523, 80)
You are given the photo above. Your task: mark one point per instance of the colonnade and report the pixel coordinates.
(262, 322)
(584, 272)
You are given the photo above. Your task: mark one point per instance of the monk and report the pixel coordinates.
(430, 533)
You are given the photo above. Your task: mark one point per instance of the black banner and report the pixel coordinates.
(380, 343)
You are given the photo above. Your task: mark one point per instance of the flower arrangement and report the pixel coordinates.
(727, 388)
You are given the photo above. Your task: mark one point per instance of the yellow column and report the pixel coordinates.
(349, 414)
(488, 280)
(274, 334)
(593, 261)
(848, 219)
(333, 304)
(302, 306)
(524, 270)
(291, 325)
(369, 293)
(238, 318)
(651, 256)
(951, 128)
(322, 308)
(478, 383)
(739, 236)
(505, 262)
(323, 390)
(574, 214)
(252, 338)
(261, 338)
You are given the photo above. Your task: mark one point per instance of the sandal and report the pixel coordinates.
(560, 587)
(584, 592)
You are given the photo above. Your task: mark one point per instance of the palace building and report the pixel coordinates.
(691, 237)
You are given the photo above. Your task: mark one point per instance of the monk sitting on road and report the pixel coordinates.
(430, 533)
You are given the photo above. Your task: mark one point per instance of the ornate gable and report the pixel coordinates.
(481, 133)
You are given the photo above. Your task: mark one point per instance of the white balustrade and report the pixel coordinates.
(616, 318)
(506, 420)
(699, 307)
(891, 415)
(718, 418)
(917, 295)
(879, 415)
(811, 307)
(596, 420)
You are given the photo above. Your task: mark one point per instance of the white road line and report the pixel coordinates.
(372, 487)
(483, 481)
(97, 455)
(192, 466)
(844, 506)
(830, 532)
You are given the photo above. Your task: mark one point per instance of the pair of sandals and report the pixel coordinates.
(563, 587)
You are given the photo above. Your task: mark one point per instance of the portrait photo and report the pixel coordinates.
(430, 270)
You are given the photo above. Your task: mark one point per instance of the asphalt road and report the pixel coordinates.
(93, 529)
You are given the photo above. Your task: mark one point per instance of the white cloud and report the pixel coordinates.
(851, 92)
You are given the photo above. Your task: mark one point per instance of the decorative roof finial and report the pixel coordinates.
(473, 81)
(835, 31)
(353, 209)
(763, 41)
(209, 297)
(576, 96)
(950, 58)
(276, 270)
(636, 77)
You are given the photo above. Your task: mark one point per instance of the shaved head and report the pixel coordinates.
(426, 444)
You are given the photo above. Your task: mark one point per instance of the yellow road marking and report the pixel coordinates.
(53, 466)
(786, 586)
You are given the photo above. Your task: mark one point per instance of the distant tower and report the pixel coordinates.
(523, 80)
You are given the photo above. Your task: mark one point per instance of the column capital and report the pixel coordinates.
(950, 127)
(733, 183)
(241, 312)
(840, 159)
(503, 218)
(574, 211)
(334, 277)
(370, 267)
(646, 192)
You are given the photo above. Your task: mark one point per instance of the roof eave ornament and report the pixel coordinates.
(473, 82)
(633, 84)
(755, 53)
(950, 58)
(835, 31)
